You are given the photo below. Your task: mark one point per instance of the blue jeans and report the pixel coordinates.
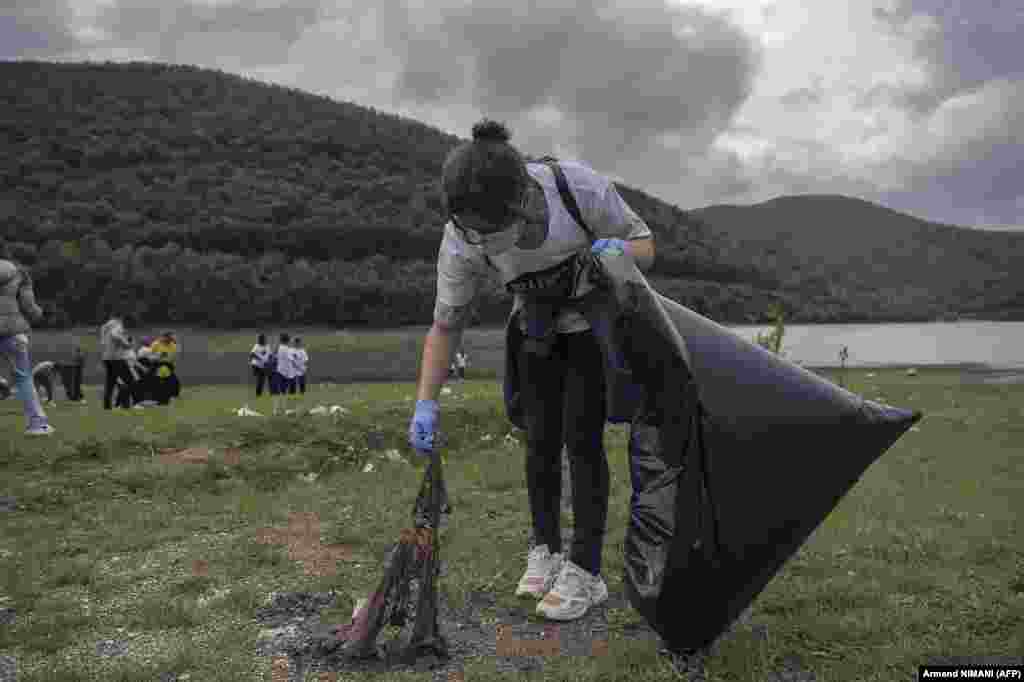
(15, 350)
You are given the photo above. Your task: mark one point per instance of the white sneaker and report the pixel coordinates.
(45, 430)
(541, 570)
(574, 591)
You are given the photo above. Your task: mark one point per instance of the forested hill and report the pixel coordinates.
(178, 194)
(853, 245)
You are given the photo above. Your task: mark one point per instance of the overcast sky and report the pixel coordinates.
(915, 104)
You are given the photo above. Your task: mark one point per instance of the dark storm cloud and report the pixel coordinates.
(35, 29)
(183, 31)
(618, 78)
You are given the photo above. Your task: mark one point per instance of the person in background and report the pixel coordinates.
(43, 376)
(130, 396)
(71, 375)
(17, 308)
(258, 359)
(166, 347)
(280, 379)
(116, 347)
(458, 368)
(300, 360)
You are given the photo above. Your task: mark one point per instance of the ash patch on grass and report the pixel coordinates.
(472, 632)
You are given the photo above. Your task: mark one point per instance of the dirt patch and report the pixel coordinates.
(187, 456)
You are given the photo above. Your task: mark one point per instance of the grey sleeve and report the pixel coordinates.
(27, 300)
(458, 284)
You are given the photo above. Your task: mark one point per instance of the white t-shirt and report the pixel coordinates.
(462, 268)
(262, 354)
(284, 362)
(299, 360)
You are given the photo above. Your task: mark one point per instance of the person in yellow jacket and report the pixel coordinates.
(166, 345)
(165, 349)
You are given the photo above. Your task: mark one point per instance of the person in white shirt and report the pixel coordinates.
(458, 368)
(507, 215)
(283, 373)
(258, 358)
(300, 361)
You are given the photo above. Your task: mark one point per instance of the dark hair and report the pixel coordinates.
(261, 339)
(486, 175)
(298, 341)
(284, 337)
(5, 250)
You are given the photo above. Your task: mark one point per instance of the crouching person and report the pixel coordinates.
(43, 377)
(18, 306)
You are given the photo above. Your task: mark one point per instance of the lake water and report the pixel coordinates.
(999, 344)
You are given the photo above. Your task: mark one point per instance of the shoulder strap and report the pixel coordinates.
(566, 194)
(567, 199)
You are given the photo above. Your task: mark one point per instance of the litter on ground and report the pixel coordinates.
(244, 411)
(392, 455)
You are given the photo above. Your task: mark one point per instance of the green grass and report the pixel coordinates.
(920, 561)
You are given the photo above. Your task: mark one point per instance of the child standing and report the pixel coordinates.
(259, 357)
(281, 379)
(301, 362)
(115, 347)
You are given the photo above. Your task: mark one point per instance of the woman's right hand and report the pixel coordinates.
(423, 426)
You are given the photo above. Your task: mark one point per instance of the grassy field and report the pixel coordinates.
(113, 540)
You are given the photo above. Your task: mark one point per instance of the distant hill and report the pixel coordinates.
(185, 195)
(858, 245)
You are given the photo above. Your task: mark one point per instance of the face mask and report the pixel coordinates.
(497, 242)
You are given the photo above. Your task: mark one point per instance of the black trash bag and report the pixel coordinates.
(408, 591)
(736, 456)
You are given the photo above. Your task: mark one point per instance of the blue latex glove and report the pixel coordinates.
(613, 247)
(423, 426)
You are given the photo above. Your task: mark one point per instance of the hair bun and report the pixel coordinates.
(490, 131)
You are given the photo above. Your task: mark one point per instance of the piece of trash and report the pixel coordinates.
(911, 372)
(308, 478)
(446, 391)
(290, 413)
(246, 412)
(319, 410)
(338, 409)
(486, 437)
(870, 375)
(392, 455)
(914, 428)
(368, 468)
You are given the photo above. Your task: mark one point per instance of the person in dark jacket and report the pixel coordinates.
(259, 358)
(44, 377)
(71, 375)
(18, 306)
